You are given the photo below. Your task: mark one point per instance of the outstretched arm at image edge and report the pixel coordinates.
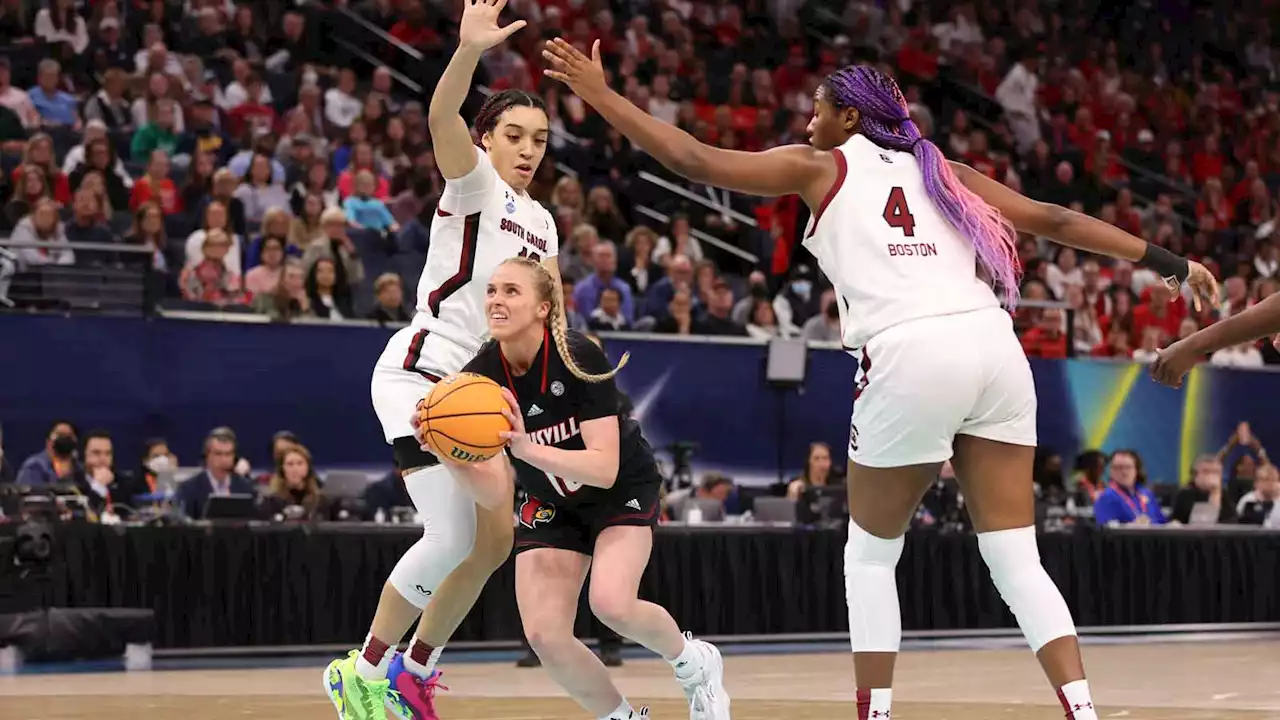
(1260, 321)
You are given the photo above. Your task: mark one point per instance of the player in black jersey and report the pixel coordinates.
(593, 491)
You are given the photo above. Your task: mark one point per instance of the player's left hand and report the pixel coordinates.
(1204, 286)
(583, 75)
(516, 438)
(1174, 362)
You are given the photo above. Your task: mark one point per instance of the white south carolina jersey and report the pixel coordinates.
(480, 222)
(891, 255)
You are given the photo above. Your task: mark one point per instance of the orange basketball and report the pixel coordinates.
(462, 417)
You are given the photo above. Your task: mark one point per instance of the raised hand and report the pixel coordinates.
(583, 75)
(479, 29)
(1204, 287)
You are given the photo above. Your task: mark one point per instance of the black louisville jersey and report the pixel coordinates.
(555, 404)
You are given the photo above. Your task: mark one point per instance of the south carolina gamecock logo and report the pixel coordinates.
(533, 511)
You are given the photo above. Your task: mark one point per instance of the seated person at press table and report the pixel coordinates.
(218, 477)
(293, 492)
(1125, 501)
(714, 486)
(54, 464)
(1261, 506)
(1205, 487)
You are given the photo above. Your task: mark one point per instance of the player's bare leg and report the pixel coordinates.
(413, 675)
(358, 685)
(548, 584)
(620, 557)
(881, 504)
(996, 480)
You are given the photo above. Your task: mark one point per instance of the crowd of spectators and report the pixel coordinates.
(260, 175)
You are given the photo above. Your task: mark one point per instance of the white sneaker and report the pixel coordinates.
(708, 699)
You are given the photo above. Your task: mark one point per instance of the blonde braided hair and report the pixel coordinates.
(548, 290)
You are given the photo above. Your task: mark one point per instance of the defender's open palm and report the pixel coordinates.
(1204, 287)
(479, 28)
(584, 75)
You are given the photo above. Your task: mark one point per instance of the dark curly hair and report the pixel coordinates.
(502, 101)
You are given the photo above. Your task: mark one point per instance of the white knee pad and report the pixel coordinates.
(448, 534)
(1014, 562)
(871, 590)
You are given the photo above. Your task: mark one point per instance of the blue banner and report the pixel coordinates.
(178, 379)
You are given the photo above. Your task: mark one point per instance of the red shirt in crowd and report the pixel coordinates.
(1040, 343)
(164, 193)
(59, 184)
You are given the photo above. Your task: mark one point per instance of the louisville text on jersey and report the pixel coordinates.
(555, 434)
(515, 228)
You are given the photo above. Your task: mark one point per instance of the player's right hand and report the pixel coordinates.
(479, 28)
(1204, 286)
(415, 421)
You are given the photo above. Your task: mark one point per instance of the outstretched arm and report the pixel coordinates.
(479, 31)
(791, 169)
(1077, 230)
(1261, 320)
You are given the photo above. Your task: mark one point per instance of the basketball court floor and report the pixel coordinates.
(1148, 681)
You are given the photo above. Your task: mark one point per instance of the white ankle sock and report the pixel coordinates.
(875, 704)
(689, 661)
(373, 659)
(424, 668)
(1077, 701)
(622, 712)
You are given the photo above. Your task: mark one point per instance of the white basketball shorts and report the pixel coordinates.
(412, 363)
(921, 383)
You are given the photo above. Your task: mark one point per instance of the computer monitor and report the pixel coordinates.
(230, 507)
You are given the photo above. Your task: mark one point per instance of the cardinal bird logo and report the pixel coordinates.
(534, 511)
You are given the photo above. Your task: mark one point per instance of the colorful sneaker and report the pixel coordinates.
(352, 696)
(704, 687)
(414, 698)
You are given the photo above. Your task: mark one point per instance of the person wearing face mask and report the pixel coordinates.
(56, 463)
(157, 460)
(798, 301)
(826, 326)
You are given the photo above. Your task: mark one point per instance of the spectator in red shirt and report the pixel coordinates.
(253, 114)
(1046, 339)
(156, 185)
(1213, 204)
(1156, 309)
(362, 158)
(1208, 162)
(413, 29)
(39, 153)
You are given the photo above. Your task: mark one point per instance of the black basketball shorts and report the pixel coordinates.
(545, 524)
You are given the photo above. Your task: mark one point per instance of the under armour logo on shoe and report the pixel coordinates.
(533, 410)
(879, 713)
(633, 504)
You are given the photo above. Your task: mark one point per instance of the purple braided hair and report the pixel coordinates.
(885, 121)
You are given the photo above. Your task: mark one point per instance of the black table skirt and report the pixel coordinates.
(294, 585)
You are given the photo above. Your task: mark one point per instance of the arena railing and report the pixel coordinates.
(107, 278)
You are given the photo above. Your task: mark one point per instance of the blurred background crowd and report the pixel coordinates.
(244, 161)
(273, 158)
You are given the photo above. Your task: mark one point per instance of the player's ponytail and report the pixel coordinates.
(885, 120)
(557, 321)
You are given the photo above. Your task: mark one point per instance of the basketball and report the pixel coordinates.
(462, 417)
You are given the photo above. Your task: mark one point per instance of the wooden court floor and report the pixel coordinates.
(1176, 681)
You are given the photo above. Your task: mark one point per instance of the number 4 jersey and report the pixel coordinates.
(555, 404)
(891, 255)
(480, 221)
